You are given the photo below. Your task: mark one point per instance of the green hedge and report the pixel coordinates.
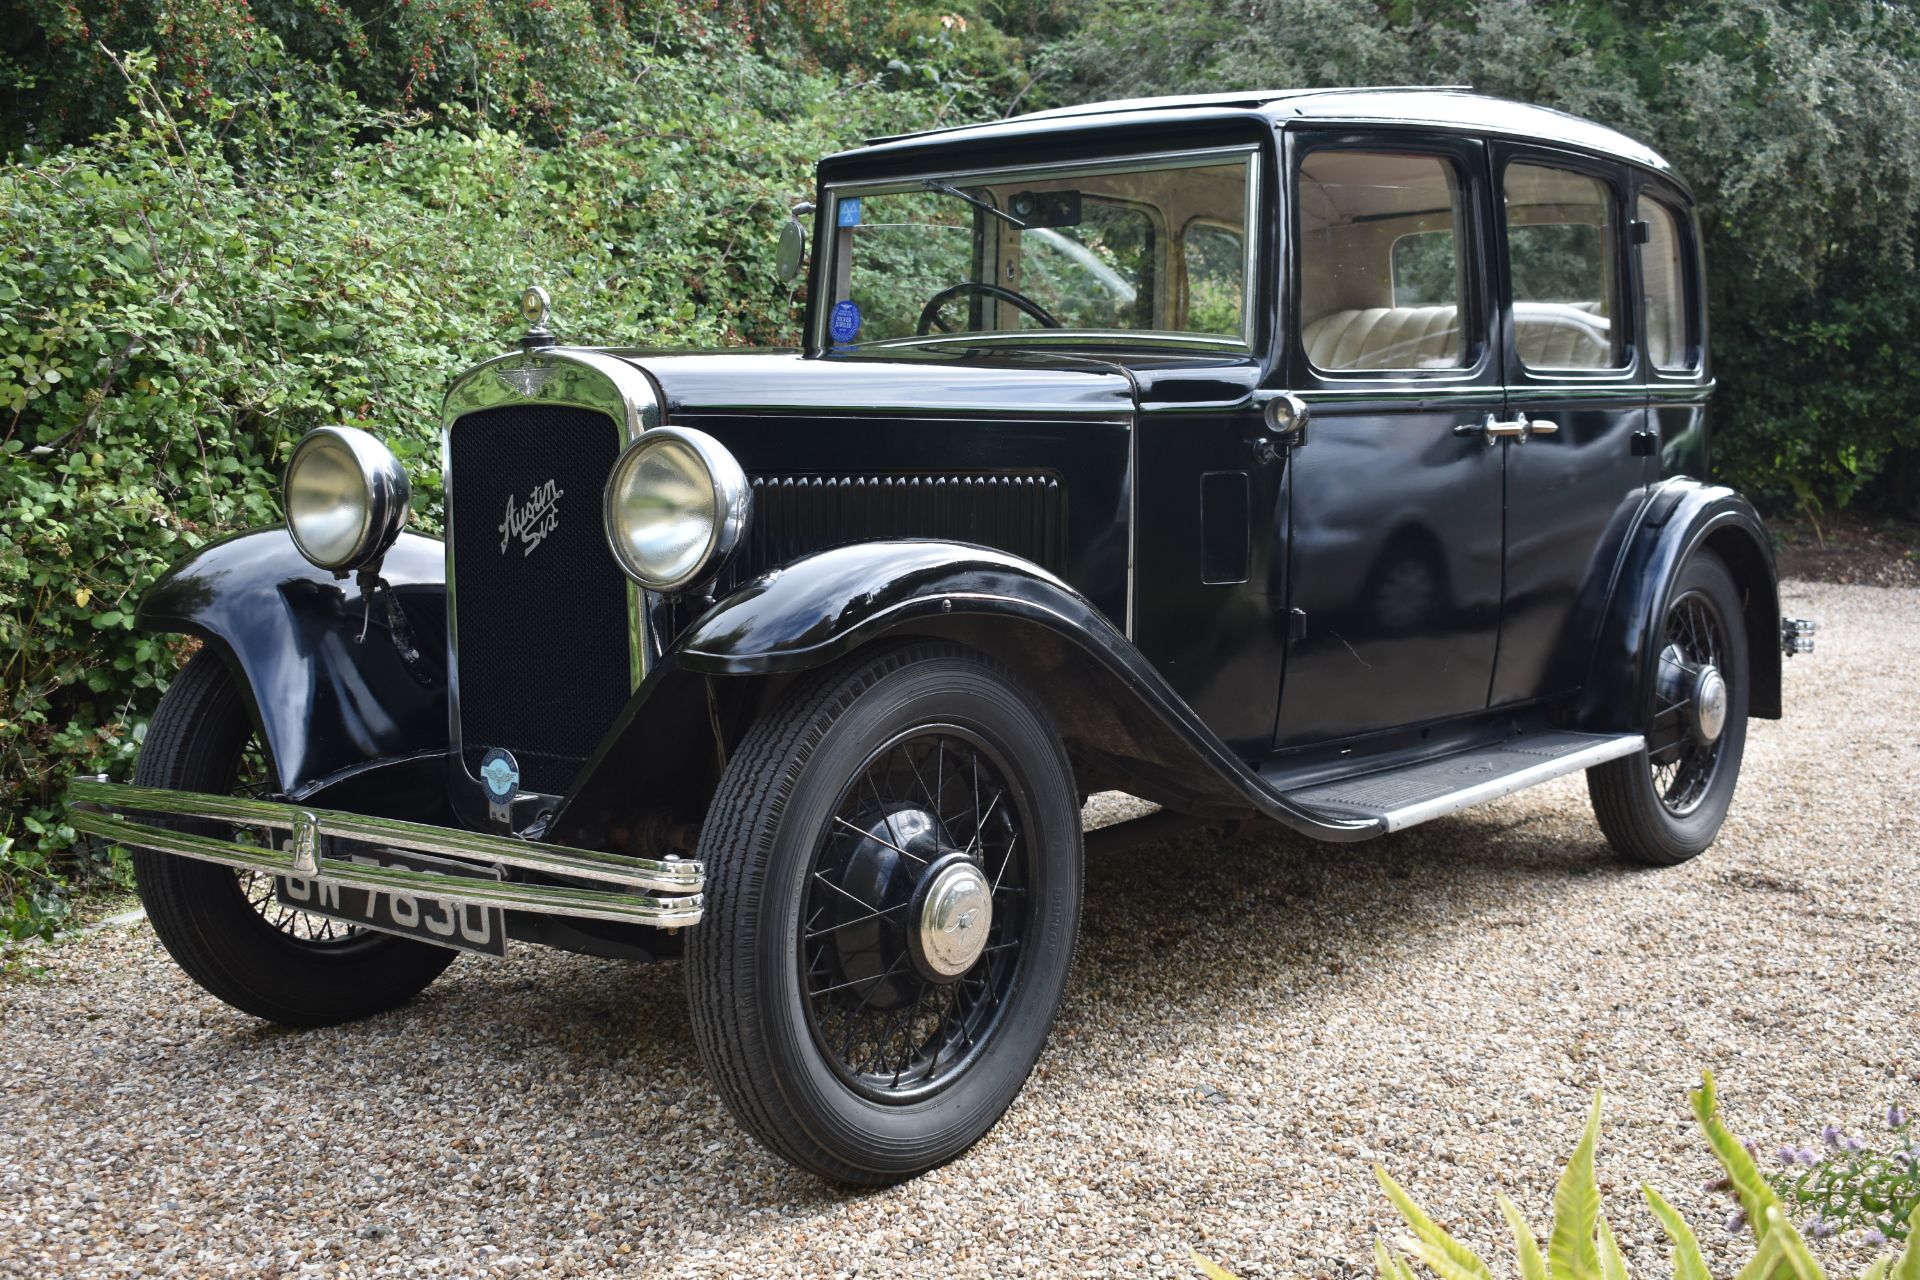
(184, 297)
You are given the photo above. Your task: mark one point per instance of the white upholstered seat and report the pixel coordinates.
(1550, 335)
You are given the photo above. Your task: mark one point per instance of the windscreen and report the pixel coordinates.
(1155, 249)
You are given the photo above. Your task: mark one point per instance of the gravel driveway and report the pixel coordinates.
(1253, 1023)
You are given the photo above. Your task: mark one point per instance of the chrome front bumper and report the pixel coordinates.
(675, 883)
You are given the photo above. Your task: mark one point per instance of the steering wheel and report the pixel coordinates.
(930, 314)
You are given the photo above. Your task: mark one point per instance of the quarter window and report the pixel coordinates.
(1664, 279)
(1381, 285)
(1560, 238)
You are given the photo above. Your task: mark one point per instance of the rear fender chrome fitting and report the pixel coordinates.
(675, 884)
(1796, 635)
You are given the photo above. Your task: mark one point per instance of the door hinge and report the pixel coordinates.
(1646, 443)
(1296, 624)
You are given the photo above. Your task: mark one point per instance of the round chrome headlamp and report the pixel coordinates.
(346, 497)
(676, 505)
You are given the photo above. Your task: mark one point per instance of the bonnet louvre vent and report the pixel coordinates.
(797, 515)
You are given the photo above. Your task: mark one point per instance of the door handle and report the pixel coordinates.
(1492, 430)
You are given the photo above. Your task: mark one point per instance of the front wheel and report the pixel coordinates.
(227, 929)
(1664, 805)
(893, 897)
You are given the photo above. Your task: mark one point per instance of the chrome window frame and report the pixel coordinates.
(571, 377)
(820, 340)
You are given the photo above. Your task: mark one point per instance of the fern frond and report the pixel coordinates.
(1908, 1267)
(1612, 1265)
(1688, 1262)
(1532, 1265)
(1576, 1209)
(1755, 1194)
(1208, 1267)
(1444, 1263)
(1429, 1232)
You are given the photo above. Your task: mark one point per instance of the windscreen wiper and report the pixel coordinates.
(948, 189)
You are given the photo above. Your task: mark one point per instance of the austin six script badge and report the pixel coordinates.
(532, 520)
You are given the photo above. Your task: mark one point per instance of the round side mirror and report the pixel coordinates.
(792, 254)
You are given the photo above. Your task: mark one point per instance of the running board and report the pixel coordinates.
(1407, 795)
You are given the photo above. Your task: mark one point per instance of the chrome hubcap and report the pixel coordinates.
(956, 913)
(1709, 706)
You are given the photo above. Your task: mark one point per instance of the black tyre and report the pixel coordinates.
(893, 898)
(1664, 805)
(224, 927)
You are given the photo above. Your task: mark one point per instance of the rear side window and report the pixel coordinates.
(1560, 253)
(1380, 267)
(1663, 276)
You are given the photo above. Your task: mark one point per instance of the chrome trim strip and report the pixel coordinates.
(1492, 789)
(1411, 392)
(674, 876)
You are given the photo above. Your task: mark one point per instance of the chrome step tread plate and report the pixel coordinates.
(1408, 795)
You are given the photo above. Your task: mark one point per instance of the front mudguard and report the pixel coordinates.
(1681, 518)
(1121, 721)
(333, 687)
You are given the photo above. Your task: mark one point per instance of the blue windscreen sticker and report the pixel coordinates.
(849, 211)
(845, 320)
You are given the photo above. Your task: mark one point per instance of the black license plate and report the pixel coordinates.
(436, 920)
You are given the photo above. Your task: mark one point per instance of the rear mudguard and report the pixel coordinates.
(1119, 718)
(1681, 518)
(336, 691)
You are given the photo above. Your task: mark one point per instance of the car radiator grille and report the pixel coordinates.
(797, 515)
(540, 618)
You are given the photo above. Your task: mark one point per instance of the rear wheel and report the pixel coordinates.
(893, 898)
(1665, 805)
(226, 928)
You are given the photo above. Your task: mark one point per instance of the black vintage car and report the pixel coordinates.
(1335, 458)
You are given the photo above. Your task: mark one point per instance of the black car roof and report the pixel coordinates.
(1454, 108)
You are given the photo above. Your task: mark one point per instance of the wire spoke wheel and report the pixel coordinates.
(1666, 805)
(253, 780)
(915, 913)
(1682, 754)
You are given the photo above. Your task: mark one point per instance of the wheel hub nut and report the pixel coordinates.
(1709, 703)
(956, 914)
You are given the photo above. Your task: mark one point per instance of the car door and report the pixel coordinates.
(1394, 544)
(1579, 462)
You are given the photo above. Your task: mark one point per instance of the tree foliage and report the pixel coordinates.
(1798, 126)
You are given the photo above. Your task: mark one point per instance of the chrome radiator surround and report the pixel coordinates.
(677, 883)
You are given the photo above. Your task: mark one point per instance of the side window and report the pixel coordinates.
(1381, 283)
(1560, 237)
(1216, 263)
(1664, 278)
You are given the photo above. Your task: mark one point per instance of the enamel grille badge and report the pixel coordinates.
(531, 521)
(500, 775)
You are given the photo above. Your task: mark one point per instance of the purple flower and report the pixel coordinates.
(1895, 1116)
(1789, 1155)
(1875, 1236)
(1853, 1144)
(1809, 1157)
(1735, 1221)
(1830, 1135)
(1819, 1229)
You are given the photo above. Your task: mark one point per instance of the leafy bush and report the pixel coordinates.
(184, 297)
(1581, 1245)
(1852, 1184)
